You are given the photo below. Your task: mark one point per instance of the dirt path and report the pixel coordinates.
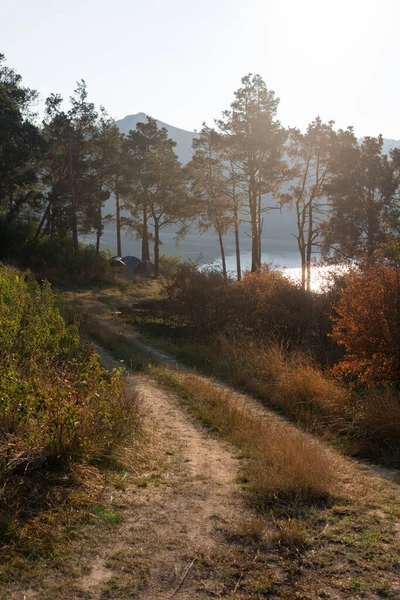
(178, 522)
(206, 495)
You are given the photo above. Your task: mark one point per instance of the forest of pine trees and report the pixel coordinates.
(56, 175)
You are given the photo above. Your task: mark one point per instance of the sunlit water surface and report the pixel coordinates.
(288, 264)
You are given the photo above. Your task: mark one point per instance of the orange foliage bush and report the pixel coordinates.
(367, 324)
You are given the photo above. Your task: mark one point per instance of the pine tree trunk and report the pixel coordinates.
(370, 228)
(302, 250)
(309, 246)
(99, 231)
(303, 266)
(156, 248)
(145, 236)
(74, 209)
(260, 227)
(237, 245)
(301, 219)
(255, 264)
(118, 218)
(221, 245)
(42, 221)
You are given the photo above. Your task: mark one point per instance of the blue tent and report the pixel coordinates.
(131, 261)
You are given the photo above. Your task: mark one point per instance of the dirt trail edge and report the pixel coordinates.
(177, 525)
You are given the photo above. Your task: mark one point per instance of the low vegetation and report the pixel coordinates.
(59, 407)
(52, 256)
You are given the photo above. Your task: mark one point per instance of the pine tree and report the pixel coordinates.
(311, 157)
(158, 190)
(209, 182)
(256, 140)
(107, 163)
(362, 193)
(70, 175)
(21, 146)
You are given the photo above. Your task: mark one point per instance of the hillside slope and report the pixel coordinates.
(182, 137)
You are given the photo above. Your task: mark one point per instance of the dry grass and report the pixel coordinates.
(361, 424)
(288, 382)
(380, 425)
(83, 512)
(285, 465)
(285, 533)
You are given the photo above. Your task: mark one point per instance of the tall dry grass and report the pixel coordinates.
(289, 382)
(365, 424)
(284, 465)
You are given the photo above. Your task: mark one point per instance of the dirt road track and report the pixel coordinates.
(179, 521)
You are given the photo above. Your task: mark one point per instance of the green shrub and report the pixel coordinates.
(57, 402)
(59, 253)
(14, 237)
(19, 246)
(169, 265)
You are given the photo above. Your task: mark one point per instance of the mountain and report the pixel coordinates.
(182, 137)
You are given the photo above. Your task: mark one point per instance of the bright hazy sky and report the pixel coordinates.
(181, 60)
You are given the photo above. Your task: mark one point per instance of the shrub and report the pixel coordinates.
(367, 324)
(59, 254)
(192, 296)
(57, 402)
(264, 304)
(169, 265)
(19, 246)
(14, 237)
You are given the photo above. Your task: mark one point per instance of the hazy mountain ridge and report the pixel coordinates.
(182, 137)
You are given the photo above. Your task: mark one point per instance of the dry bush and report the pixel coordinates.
(285, 464)
(265, 304)
(379, 424)
(191, 297)
(367, 324)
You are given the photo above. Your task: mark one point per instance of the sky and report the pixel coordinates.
(180, 61)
